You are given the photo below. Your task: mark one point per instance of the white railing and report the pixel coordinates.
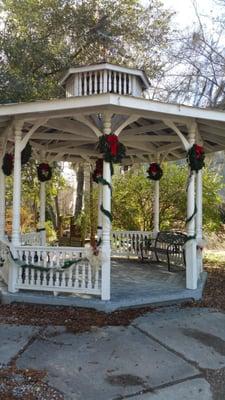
(97, 82)
(78, 278)
(31, 239)
(130, 243)
(44, 269)
(48, 256)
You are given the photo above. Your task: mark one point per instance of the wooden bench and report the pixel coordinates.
(168, 246)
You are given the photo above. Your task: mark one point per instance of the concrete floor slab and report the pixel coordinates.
(104, 364)
(12, 340)
(133, 283)
(197, 334)
(196, 389)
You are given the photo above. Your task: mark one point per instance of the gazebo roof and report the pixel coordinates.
(68, 129)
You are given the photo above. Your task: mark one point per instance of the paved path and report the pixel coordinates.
(172, 354)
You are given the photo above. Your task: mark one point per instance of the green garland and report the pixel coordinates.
(66, 265)
(113, 152)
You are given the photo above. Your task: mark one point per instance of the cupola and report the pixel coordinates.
(104, 78)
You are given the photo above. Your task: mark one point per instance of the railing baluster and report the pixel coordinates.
(114, 82)
(110, 80)
(120, 83)
(85, 83)
(96, 83)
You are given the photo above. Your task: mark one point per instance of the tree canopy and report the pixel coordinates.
(133, 199)
(40, 39)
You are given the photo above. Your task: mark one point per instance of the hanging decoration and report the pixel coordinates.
(7, 165)
(196, 157)
(155, 172)
(98, 171)
(113, 151)
(26, 154)
(44, 172)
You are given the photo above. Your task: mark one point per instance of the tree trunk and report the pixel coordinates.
(80, 192)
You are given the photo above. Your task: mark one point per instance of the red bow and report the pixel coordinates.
(153, 168)
(112, 141)
(198, 151)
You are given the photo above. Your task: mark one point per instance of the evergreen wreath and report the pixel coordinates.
(113, 151)
(26, 154)
(155, 172)
(196, 157)
(44, 172)
(7, 165)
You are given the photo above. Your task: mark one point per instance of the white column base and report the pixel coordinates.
(199, 261)
(106, 272)
(13, 269)
(191, 265)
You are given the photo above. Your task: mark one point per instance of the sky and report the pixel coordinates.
(185, 10)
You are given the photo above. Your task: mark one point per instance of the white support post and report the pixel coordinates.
(16, 189)
(199, 220)
(190, 247)
(106, 224)
(156, 209)
(99, 230)
(42, 213)
(2, 202)
(156, 204)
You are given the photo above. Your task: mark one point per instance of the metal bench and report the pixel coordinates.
(168, 246)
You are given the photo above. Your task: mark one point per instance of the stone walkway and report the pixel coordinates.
(170, 354)
(133, 283)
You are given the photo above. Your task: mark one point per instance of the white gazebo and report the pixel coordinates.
(100, 99)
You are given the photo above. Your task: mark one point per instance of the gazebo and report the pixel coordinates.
(100, 99)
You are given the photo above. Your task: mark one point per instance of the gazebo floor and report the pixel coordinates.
(133, 284)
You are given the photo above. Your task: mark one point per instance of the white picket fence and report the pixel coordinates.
(130, 243)
(124, 243)
(42, 268)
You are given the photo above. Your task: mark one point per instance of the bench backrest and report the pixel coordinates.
(171, 237)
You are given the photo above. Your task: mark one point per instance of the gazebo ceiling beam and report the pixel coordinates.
(73, 127)
(62, 136)
(79, 151)
(145, 147)
(213, 124)
(28, 134)
(169, 147)
(87, 121)
(145, 128)
(150, 138)
(183, 139)
(125, 123)
(216, 131)
(214, 139)
(56, 146)
(38, 146)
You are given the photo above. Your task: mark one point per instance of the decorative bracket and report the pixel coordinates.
(183, 139)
